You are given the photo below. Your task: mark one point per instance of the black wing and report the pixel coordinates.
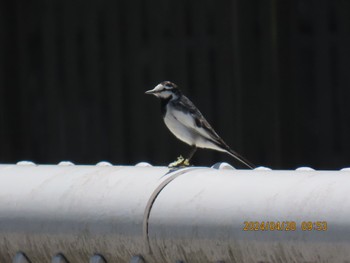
(184, 105)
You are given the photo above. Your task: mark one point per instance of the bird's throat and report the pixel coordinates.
(163, 103)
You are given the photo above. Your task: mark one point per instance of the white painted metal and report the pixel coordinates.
(97, 259)
(202, 214)
(221, 166)
(104, 164)
(59, 259)
(66, 163)
(74, 210)
(137, 259)
(20, 258)
(190, 215)
(26, 163)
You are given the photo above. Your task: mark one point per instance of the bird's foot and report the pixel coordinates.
(177, 163)
(180, 162)
(186, 162)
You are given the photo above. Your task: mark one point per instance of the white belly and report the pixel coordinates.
(188, 135)
(180, 131)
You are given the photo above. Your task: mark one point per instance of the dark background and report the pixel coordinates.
(272, 77)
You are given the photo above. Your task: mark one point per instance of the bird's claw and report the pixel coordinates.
(180, 162)
(186, 162)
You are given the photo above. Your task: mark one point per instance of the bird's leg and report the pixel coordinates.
(177, 163)
(186, 162)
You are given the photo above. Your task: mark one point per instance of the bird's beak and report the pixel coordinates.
(155, 91)
(151, 92)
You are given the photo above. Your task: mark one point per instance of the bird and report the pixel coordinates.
(187, 123)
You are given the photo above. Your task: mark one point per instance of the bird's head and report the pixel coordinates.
(165, 90)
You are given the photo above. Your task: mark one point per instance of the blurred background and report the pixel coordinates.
(272, 77)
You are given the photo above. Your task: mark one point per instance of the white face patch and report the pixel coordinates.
(162, 91)
(165, 94)
(158, 88)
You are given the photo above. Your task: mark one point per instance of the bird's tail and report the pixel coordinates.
(240, 158)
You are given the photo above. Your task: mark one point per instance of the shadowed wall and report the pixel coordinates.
(272, 77)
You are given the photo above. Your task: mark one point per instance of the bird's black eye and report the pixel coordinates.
(169, 86)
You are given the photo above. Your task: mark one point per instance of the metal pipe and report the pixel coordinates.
(123, 213)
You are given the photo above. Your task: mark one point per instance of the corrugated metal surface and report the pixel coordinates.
(105, 213)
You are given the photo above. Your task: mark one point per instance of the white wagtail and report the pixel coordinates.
(186, 122)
